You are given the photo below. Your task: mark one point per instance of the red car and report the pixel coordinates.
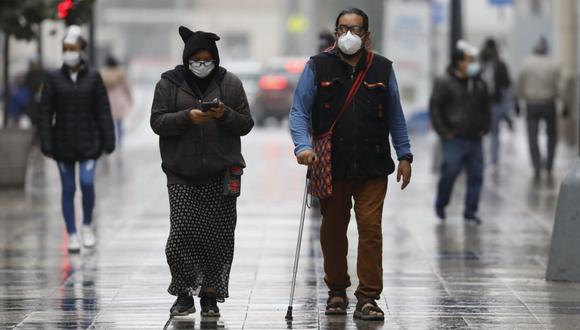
(276, 89)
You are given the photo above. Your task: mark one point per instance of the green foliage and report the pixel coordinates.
(81, 12)
(21, 18)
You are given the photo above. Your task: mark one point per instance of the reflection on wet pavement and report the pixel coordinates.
(436, 275)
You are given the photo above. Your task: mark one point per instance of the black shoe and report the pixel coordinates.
(440, 213)
(473, 219)
(183, 306)
(209, 305)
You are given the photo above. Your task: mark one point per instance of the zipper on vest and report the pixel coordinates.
(354, 165)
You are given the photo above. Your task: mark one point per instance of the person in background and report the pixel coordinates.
(76, 127)
(115, 80)
(538, 86)
(19, 100)
(461, 115)
(34, 80)
(325, 40)
(200, 111)
(495, 74)
(361, 155)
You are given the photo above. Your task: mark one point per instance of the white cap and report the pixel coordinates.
(467, 48)
(73, 34)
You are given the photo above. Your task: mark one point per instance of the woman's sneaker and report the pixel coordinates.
(209, 306)
(89, 239)
(74, 243)
(183, 306)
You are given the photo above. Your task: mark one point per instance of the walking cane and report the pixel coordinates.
(297, 255)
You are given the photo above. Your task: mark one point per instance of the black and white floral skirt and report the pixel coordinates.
(200, 247)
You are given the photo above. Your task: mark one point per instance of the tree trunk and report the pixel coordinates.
(6, 77)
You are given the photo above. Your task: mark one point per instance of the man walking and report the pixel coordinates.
(361, 159)
(461, 116)
(538, 86)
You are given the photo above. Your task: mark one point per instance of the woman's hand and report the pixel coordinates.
(217, 112)
(199, 117)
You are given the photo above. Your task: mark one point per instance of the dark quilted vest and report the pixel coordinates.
(360, 144)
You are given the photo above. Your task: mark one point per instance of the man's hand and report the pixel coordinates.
(199, 117)
(404, 172)
(306, 157)
(218, 112)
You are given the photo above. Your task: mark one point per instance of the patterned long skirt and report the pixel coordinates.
(200, 247)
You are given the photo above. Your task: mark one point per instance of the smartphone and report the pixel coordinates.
(207, 105)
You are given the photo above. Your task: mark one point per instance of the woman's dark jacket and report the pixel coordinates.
(191, 153)
(75, 119)
(460, 107)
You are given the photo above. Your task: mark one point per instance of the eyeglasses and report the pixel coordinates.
(199, 64)
(354, 29)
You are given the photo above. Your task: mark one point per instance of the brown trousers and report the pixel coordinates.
(369, 196)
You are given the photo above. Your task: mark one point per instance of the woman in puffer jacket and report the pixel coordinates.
(76, 127)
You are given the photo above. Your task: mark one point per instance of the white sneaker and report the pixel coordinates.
(74, 243)
(89, 239)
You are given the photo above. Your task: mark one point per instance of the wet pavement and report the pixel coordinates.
(450, 275)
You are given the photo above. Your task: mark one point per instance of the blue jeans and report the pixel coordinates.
(500, 111)
(459, 153)
(87, 179)
(119, 130)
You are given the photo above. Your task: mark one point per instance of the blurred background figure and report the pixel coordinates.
(538, 86)
(495, 73)
(460, 114)
(119, 92)
(325, 40)
(34, 80)
(18, 101)
(76, 128)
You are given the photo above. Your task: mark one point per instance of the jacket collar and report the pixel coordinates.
(176, 76)
(362, 62)
(84, 68)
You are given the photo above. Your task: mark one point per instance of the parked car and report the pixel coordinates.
(276, 89)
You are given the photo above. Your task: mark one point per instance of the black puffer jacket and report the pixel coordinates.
(193, 153)
(75, 118)
(460, 107)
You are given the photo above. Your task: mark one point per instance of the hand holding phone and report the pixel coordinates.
(207, 105)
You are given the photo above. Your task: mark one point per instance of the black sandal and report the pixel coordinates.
(336, 308)
(363, 310)
(208, 303)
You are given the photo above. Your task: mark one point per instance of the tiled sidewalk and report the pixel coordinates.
(436, 275)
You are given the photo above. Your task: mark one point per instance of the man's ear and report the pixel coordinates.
(185, 33)
(367, 41)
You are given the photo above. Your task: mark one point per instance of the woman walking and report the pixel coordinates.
(76, 127)
(119, 93)
(199, 112)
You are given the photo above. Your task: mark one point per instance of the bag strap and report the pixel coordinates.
(354, 89)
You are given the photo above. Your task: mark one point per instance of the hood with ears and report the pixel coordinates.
(194, 41)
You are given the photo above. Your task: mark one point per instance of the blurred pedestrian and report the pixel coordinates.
(200, 111)
(538, 86)
(18, 101)
(461, 116)
(76, 127)
(496, 76)
(115, 80)
(325, 40)
(361, 154)
(34, 80)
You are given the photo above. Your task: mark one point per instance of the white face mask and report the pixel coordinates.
(349, 43)
(71, 59)
(473, 69)
(201, 69)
